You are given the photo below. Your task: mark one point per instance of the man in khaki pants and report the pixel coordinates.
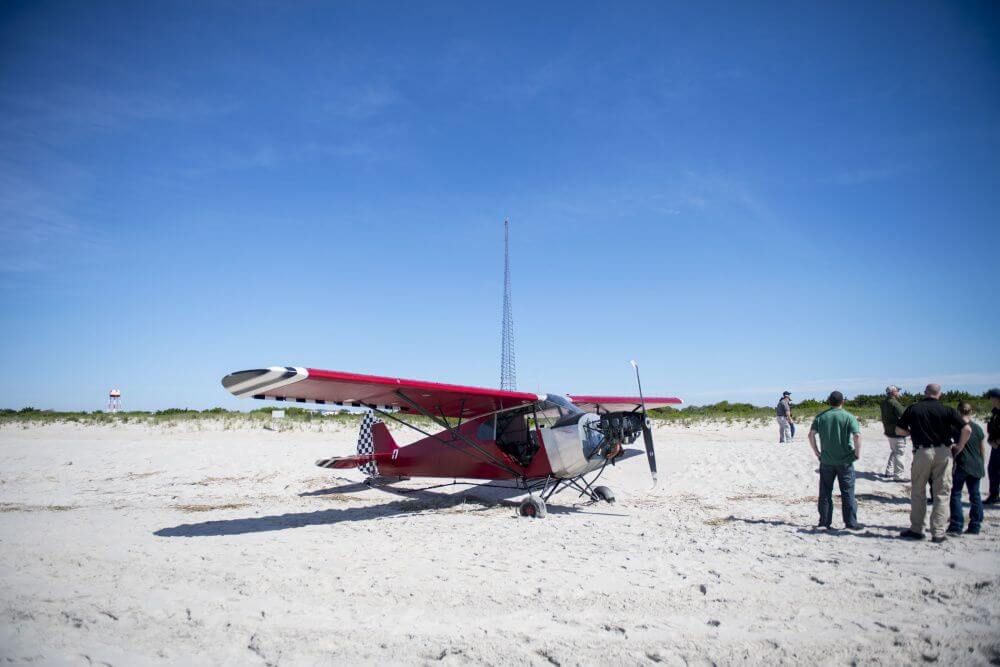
(892, 410)
(930, 425)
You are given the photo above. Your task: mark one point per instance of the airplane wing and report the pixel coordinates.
(622, 403)
(311, 385)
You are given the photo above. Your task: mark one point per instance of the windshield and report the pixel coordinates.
(554, 409)
(563, 403)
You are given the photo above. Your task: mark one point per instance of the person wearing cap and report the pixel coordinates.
(892, 410)
(993, 437)
(969, 471)
(840, 446)
(931, 425)
(783, 413)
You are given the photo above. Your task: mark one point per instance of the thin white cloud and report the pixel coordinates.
(271, 156)
(533, 83)
(364, 102)
(679, 192)
(105, 109)
(854, 385)
(869, 175)
(29, 213)
(19, 265)
(37, 218)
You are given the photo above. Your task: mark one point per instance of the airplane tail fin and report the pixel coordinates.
(374, 442)
(374, 439)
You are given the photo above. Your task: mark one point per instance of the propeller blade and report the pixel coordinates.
(647, 437)
(647, 434)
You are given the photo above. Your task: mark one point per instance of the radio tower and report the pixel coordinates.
(508, 366)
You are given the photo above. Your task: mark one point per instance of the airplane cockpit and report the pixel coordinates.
(514, 430)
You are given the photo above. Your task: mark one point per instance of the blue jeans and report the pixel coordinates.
(849, 506)
(960, 479)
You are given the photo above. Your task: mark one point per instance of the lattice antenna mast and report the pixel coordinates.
(508, 366)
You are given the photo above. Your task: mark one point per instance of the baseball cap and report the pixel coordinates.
(786, 393)
(993, 393)
(835, 398)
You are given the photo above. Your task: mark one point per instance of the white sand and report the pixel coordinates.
(104, 561)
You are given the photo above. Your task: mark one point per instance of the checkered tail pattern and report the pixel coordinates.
(366, 443)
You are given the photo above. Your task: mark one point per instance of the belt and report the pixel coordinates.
(916, 446)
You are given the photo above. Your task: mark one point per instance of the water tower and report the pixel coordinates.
(114, 400)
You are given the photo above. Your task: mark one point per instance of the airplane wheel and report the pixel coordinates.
(605, 494)
(532, 507)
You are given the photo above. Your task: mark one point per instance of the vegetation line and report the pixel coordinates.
(864, 406)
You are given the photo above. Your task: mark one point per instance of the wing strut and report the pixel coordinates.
(454, 431)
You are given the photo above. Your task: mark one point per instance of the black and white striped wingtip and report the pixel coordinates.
(262, 380)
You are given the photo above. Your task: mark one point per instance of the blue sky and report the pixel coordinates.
(745, 197)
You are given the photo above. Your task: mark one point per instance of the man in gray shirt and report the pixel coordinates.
(783, 413)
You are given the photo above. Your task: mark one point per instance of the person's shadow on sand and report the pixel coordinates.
(882, 498)
(892, 532)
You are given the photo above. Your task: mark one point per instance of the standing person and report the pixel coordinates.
(930, 425)
(993, 429)
(836, 429)
(783, 413)
(968, 472)
(892, 410)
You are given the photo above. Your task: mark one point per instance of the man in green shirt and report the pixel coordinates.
(892, 410)
(967, 472)
(837, 429)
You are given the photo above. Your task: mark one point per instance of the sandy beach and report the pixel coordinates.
(192, 544)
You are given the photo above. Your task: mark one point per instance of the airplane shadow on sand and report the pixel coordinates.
(477, 499)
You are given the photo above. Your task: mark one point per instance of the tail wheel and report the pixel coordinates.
(605, 494)
(532, 507)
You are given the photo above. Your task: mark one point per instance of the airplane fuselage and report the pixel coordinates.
(529, 450)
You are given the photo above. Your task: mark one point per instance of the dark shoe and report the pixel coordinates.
(910, 535)
(853, 526)
(938, 540)
(992, 500)
(972, 531)
(957, 532)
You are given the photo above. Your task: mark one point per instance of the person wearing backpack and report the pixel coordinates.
(968, 471)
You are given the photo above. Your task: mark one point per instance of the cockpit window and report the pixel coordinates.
(553, 408)
(514, 435)
(563, 403)
(593, 436)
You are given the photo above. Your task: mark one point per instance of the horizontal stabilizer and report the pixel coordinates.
(352, 461)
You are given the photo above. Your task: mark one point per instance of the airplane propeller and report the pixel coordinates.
(647, 433)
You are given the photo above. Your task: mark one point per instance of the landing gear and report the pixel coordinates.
(532, 507)
(605, 494)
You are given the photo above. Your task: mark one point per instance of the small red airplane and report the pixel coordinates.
(543, 443)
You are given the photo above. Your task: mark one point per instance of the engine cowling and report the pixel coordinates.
(580, 443)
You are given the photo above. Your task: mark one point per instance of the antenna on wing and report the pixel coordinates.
(508, 366)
